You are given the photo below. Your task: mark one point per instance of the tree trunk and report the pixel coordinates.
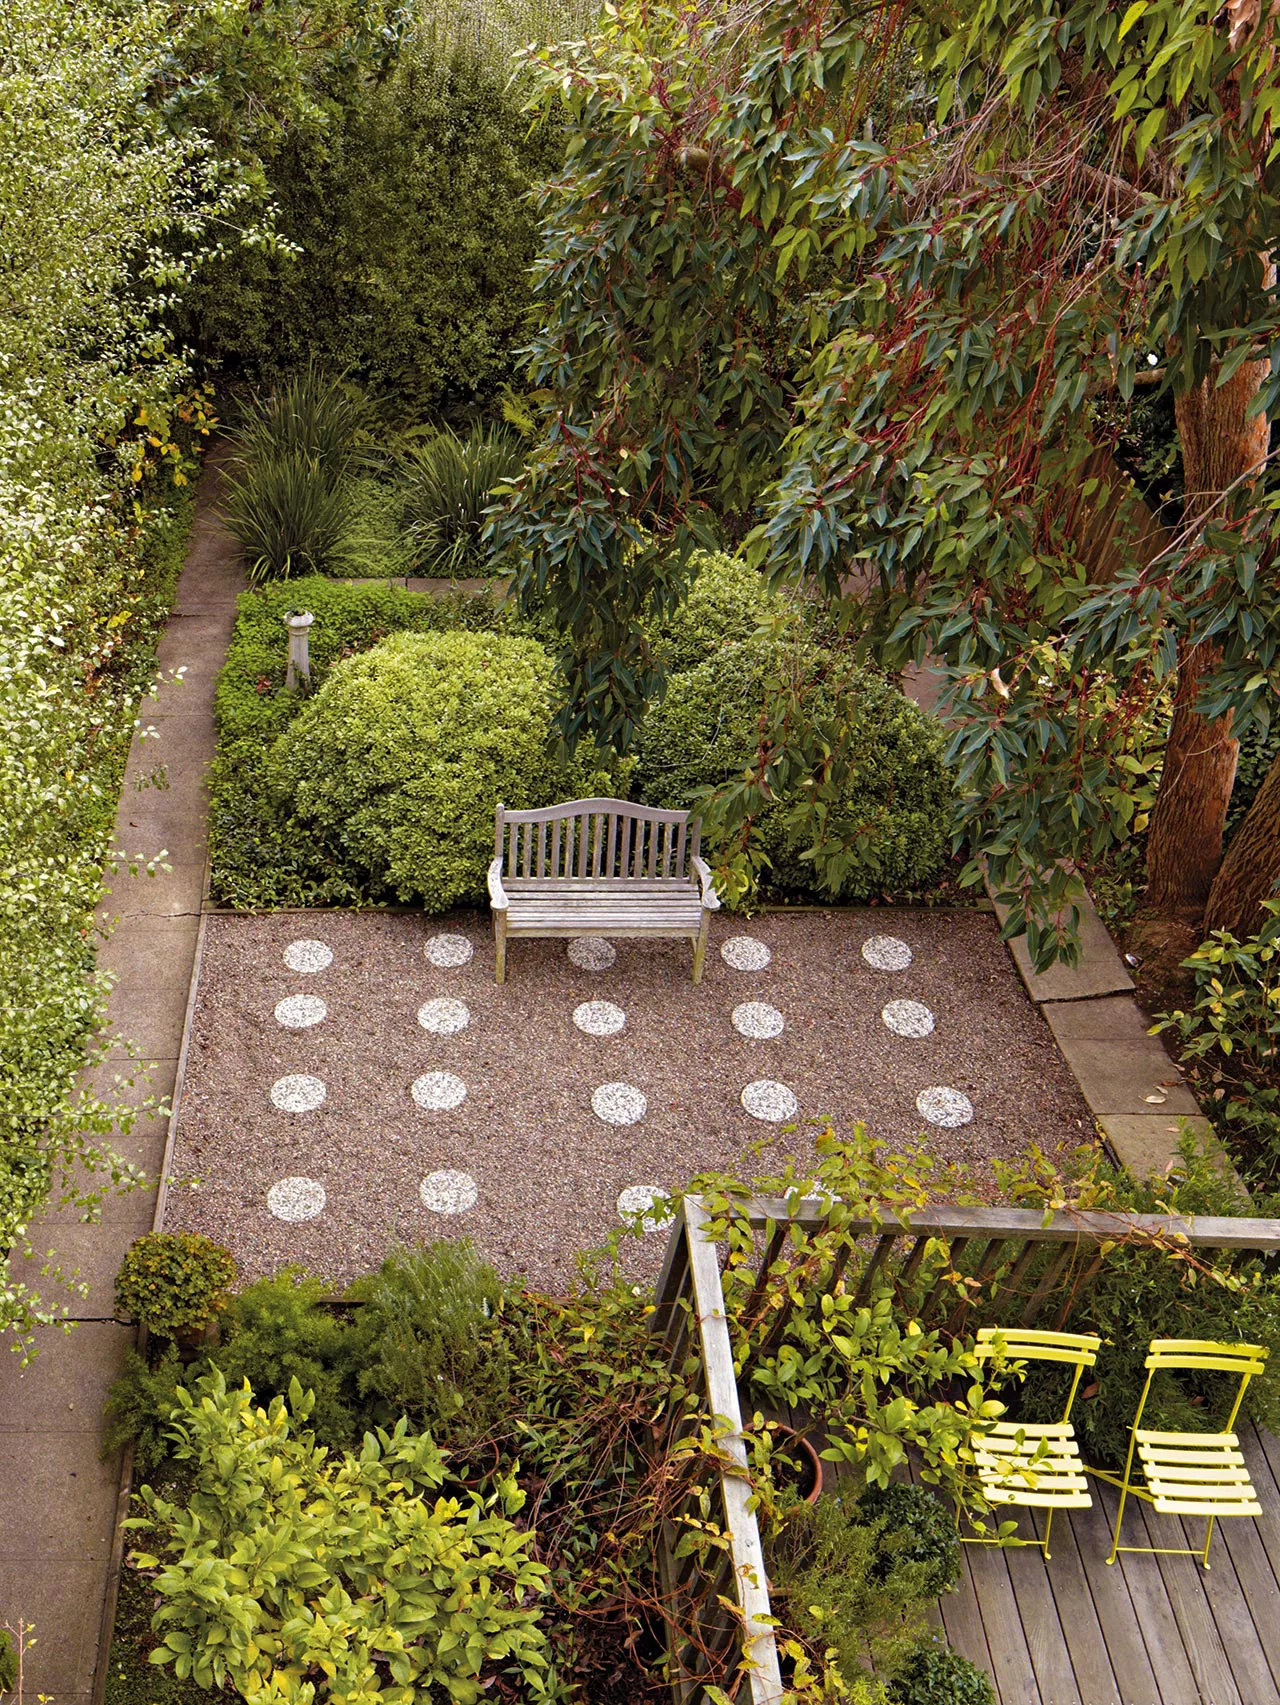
(1221, 447)
(1251, 869)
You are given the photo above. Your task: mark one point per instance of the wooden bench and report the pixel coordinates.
(599, 867)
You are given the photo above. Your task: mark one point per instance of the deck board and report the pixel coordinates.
(1150, 1630)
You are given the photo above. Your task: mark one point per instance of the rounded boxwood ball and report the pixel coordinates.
(397, 763)
(895, 808)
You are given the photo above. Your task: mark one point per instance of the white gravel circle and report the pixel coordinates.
(908, 1018)
(773, 1102)
(308, 956)
(590, 953)
(945, 1107)
(297, 1093)
(599, 1018)
(296, 1199)
(745, 953)
(618, 1104)
(438, 1092)
(299, 1012)
(448, 950)
(448, 1192)
(635, 1201)
(444, 1017)
(758, 1020)
(886, 953)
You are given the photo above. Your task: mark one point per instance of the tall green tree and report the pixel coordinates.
(872, 271)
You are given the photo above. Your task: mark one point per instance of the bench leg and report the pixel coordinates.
(700, 947)
(500, 946)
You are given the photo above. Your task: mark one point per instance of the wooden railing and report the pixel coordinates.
(1013, 1261)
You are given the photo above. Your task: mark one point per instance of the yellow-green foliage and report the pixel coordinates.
(174, 1282)
(397, 763)
(299, 1574)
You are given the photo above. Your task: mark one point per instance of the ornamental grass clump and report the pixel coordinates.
(290, 502)
(174, 1282)
(447, 486)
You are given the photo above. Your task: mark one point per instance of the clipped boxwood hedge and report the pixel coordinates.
(394, 768)
(705, 732)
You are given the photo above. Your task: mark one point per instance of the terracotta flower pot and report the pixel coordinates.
(806, 1476)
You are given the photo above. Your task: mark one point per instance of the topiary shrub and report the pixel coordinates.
(396, 765)
(915, 1528)
(727, 603)
(706, 731)
(935, 1675)
(174, 1282)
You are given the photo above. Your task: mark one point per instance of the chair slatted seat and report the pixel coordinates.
(1035, 1465)
(1190, 1474)
(599, 867)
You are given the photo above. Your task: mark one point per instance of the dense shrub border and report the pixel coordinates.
(701, 734)
(92, 668)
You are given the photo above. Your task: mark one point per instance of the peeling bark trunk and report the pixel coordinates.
(1251, 869)
(1221, 445)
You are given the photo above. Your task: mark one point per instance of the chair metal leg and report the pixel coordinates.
(1048, 1523)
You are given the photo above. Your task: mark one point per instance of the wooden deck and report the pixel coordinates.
(1147, 1630)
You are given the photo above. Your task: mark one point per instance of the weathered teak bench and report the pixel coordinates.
(599, 867)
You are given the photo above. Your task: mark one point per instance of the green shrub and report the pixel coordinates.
(1258, 751)
(935, 1675)
(375, 544)
(844, 1583)
(898, 796)
(288, 516)
(140, 1405)
(289, 501)
(916, 1528)
(258, 857)
(408, 230)
(430, 1343)
(287, 1561)
(1230, 1038)
(395, 766)
(174, 1282)
(727, 602)
(447, 484)
(8, 1662)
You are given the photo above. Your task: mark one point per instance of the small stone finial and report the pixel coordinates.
(299, 669)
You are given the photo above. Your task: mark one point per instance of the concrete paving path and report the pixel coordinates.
(57, 1497)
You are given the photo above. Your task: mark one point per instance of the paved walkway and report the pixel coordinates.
(57, 1498)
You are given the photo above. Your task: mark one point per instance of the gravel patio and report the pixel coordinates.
(358, 1079)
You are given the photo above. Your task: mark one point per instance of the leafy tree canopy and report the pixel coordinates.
(869, 273)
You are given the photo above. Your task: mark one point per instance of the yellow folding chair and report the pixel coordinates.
(1034, 1464)
(1189, 1474)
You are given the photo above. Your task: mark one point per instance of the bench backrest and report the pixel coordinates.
(597, 837)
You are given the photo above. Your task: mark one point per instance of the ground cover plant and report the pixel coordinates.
(98, 425)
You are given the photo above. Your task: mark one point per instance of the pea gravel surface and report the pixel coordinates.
(548, 1171)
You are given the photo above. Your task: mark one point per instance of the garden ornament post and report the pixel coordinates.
(298, 623)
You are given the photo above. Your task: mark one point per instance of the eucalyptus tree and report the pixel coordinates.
(869, 272)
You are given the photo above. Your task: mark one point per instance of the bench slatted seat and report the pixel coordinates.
(599, 867)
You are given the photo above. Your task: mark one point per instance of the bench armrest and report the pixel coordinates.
(497, 894)
(710, 899)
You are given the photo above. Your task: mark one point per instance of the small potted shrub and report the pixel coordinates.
(174, 1283)
(935, 1675)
